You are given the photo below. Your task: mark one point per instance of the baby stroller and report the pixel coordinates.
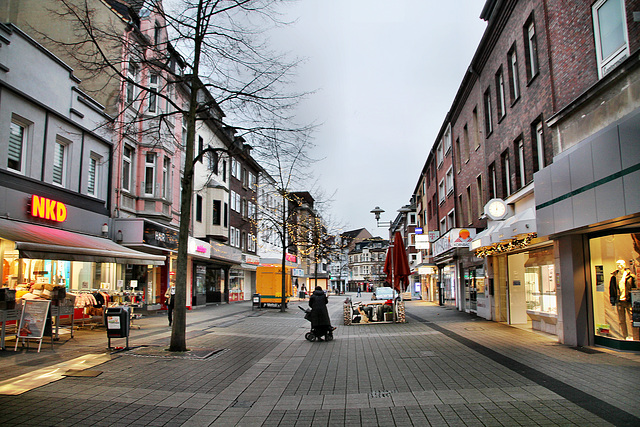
(313, 334)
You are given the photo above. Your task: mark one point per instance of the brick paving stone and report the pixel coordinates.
(412, 374)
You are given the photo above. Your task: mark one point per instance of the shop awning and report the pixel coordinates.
(482, 239)
(39, 242)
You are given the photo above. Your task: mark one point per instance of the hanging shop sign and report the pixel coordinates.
(454, 238)
(44, 208)
(291, 258)
(159, 236)
(199, 248)
(422, 241)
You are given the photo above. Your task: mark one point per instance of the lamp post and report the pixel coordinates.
(376, 212)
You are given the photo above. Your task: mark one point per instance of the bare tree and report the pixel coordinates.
(135, 56)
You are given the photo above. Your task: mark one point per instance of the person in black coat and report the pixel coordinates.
(320, 321)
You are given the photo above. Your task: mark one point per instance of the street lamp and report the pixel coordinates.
(377, 211)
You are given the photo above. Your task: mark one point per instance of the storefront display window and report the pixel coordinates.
(539, 282)
(236, 285)
(615, 263)
(449, 284)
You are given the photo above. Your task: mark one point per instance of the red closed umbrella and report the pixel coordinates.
(396, 264)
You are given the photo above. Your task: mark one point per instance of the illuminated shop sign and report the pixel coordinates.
(291, 258)
(44, 208)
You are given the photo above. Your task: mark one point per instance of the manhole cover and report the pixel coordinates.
(380, 394)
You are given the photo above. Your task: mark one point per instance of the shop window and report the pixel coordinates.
(615, 263)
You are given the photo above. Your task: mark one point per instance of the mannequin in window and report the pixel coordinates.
(620, 285)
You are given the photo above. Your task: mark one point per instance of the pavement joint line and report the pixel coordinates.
(589, 402)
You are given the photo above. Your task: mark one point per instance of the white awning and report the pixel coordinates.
(40, 242)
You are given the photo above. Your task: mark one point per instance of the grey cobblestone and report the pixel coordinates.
(413, 374)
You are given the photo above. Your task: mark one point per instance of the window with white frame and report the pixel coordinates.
(531, 48)
(538, 146)
(127, 159)
(506, 173)
(132, 78)
(514, 76)
(232, 236)
(502, 104)
(441, 191)
(519, 146)
(450, 181)
(166, 168)
(493, 185)
(488, 120)
(439, 154)
(92, 179)
(236, 169)
(17, 146)
(610, 31)
(451, 219)
(447, 139)
(153, 93)
(149, 173)
(59, 162)
(443, 226)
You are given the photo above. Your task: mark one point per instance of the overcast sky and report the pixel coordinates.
(386, 73)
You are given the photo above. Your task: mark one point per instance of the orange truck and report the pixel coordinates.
(269, 285)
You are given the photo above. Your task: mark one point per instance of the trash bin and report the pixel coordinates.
(256, 301)
(117, 320)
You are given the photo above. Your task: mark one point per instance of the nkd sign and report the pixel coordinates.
(44, 208)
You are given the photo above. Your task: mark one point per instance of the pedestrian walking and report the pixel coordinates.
(359, 290)
(320, 320)
(170, 301)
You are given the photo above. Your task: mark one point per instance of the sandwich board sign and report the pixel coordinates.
(33, 321)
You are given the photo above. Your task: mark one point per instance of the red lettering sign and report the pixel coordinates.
(44, 208)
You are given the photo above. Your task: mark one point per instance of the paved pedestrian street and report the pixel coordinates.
(253, 367)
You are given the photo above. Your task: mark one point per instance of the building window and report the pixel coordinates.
(166, 167)
(479, 195)
(92, 179)
(502, 104)
(610, 30)
(451, 219)
(443, 226)
(213, 161)
(224, 171)
(153, 92)
(514, 77)
(458, 155)
(440, 155)
(127, 158)
(469, 206)
(225, 212)
(447, 139)
(198, 208)
(149, 173)
(476, 129)
(493, 190)
(531, 48)
(521, 176)
(17, 146)
(132, 78)
(200, 147)
(538, 146)
(465, 143)
(441, 191)
(450, 181)
(428, 213)
(216, 213)
(506, 173)
(59, 162)
(488, 120)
